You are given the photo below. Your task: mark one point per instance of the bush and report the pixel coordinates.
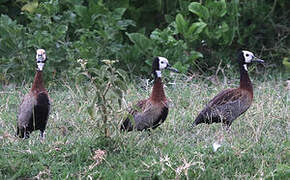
(106, 88)
(192, 35)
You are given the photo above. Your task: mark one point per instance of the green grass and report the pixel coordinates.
(256, 147)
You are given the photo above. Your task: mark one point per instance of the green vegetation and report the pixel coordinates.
(108, 88)
(116, 41)
(194, 36)
(75, 147)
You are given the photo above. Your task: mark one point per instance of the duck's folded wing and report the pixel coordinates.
(151, 117)
(26, 110)
(227, 105)
(226, 96)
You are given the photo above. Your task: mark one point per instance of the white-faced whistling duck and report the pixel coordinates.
(151, 112)
(34, 109)
(231, 103)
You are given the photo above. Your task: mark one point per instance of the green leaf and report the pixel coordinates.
(122, 73)
(181, 24)
(196, 55)
(80, 76)
(199, 10)
(118, 13)
(30, 6)
(224, 27)
(220, 30)
(80, 10)
(61, 32)
(218, 8)
(94, 71)
(222, 8)
(140, 40)
(123, 24)
(121, 84)
(148, 62)
(228, 37)
(197, 28)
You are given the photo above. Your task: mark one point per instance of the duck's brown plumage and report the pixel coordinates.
(151, 112)
(34, 109)
(148, 113)
(225, 107)
(228, 104)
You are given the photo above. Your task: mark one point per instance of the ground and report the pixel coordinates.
(257, 145)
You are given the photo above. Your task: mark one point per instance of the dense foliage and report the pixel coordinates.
(192, 35)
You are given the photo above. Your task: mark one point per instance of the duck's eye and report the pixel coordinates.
(162, 62)
(247, 55)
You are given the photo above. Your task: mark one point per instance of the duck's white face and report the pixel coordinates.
(40, 59)
(248, 56)
(163, 63)
(160, 63)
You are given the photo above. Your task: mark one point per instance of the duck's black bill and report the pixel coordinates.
(258, 60)
(172, 69)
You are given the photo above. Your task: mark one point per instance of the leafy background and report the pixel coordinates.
(194, 35)
(93, 46)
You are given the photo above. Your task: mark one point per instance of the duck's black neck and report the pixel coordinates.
(245, 82)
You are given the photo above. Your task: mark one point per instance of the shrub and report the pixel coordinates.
(192, 35)
(108, 86)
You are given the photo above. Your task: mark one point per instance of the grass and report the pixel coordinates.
(256, 147)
